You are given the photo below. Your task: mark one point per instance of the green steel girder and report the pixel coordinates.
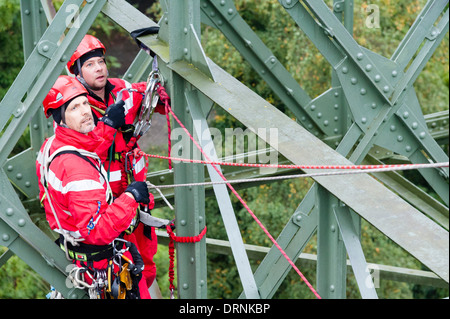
(20, 104)
(369, 80)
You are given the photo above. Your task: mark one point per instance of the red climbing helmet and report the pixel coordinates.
(86, 45)
(64, 89)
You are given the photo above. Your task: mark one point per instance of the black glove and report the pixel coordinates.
(139, 191)
(115, 115)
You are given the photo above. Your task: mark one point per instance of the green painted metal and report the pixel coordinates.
(370, 114)
(189, 202)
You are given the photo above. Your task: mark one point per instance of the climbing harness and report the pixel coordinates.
(104, 283)
(45, 159)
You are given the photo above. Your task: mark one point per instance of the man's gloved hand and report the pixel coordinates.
(114, 115)
(139, 191)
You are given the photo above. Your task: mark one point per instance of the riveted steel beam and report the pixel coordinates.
(42, 68)
(371, 195)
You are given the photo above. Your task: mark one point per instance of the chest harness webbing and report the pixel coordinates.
(66, 237)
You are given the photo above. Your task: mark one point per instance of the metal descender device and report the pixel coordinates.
(149, 103)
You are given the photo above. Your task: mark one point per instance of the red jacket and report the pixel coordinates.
(78, 190)
(116, 164)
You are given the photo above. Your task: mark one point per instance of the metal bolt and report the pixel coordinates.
(9, 211)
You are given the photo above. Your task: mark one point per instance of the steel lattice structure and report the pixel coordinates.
(372, 96)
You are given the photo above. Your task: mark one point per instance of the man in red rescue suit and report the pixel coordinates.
(88, 65)
(73, 187)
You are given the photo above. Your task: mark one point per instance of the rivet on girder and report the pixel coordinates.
(46, 48)
(400, 138)
(21, 222)
(5, 237)
(9, 211)
(289, 3)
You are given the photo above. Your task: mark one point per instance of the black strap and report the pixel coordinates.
(89, 252)
(141, 32)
